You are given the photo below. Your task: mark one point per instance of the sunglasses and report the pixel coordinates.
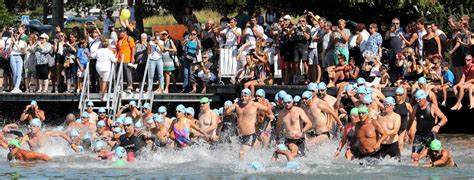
(398, 94)
(362, 113)
(304, 99)
(193, 34)
(161, 113)
(102, 113)
(289, 102)
(396, 23)
(301, 21)
(127, 125)
(187, 114)
(41, 38)
(467, 59)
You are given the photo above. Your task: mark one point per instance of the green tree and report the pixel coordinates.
(6, 19)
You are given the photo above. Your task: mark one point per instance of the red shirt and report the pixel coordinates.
(468, 72)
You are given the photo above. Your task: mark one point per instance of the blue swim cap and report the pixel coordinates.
(361, 90)
(146, 106)
(190, 111)
(158, 119)
(132, 103)
(128, 121)
(33, 103)
(85, 115)
(296, 99)
(256, 165)
(228, 103)
(100, 124)
(36, 122)
(99, 145)
(420, 94)
(151, 120)
(216, 111)
(119, 120)
(90, 103)
(312, 87)
(120, 152)
(139, 124)
(360, 81)
(260, 92)
(79, 121)
(181, 108)
(288, 98)
(101, 110)
(307, 94)
(74, 133)
(221, 111)
(322, 86)
(367, 100)
(282, 147)
(117, 130)
(281, 94)
(246, 91)
(292, 165)
(273, 104)
(400, 91)
(162, 109)
(422, 80)
(389, 100)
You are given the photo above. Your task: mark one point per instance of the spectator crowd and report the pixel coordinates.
(245, 50)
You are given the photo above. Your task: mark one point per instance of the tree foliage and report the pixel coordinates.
(6, 19)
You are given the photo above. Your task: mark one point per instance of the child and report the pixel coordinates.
(83, 55)
(448, 80)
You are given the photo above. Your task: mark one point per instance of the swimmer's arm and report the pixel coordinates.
(412, 118)
(229, 110)
(40, 115)
(120, 111)
(441, 115)
(213, 125)
(343, 141)
(443, 160)
(278, 128)
(7, 128)
(24, 116)
(381, 131)
(195, 127)
(65, 137)
(423, 154)
(306, 120)
(263, 108)
(24, 139)
(325, 108)
(433, 99)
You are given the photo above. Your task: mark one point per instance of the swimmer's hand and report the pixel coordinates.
(336, 155)
(428, 165)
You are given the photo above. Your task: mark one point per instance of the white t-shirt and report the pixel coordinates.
(16, 49)
(314, 34)
(95, 44)
(155, 50)
(251, 35)
(420, 41)
(231, 38)
(105, 57)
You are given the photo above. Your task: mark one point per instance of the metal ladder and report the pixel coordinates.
(85, 93)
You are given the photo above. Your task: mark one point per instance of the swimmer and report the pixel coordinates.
(439, 156)
(349, 136)
(130, 141)
(390, 122)
(426, 125)
(134, 113)
(283, 150)
(247, 111)
(23, 155)
(293, 118)
(370, 136)
(93, 117)
(208, 119)
(32, 111)
(264, 119)
(146, 114)
(162, 112)
(404, 109)
(181, 128)
(36, 138)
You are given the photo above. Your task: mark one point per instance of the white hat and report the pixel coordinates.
(287, 17)
(44, 36)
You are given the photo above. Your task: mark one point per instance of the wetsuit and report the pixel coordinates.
(402, 110)
(424, 123)
(229, 127)
(132, 144)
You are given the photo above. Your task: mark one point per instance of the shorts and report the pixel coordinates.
(313, 134)
(422, 141)
(42, 71)
(104, 75)
(357, 154)
(328, 59)
(313, 57)
(298, 142)
(248, 140)
(300, 53)
(389, 149)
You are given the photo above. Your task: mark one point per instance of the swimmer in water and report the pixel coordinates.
(181, 128)
(208, 120)
(36, 138)
(349, 136)
(246, 111)
(265, 119)
(439, 156)
(23, 155)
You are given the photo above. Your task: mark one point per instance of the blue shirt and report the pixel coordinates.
(81, 55)
(448, 76)
(373, 43)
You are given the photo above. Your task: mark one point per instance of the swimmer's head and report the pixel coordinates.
(34, 103)
(312, 87)
(79, 121)
(190, 111)
(280, 95)
(306, 96)
(297, 99)
(399, 91)
(246, 92)
(120, 152)
(348, 88)
(100, 124)
(260, 93)
(354, 111)
(288, 100)
(85, 115)
(15, 143)
(90, 104)
(322, 87)
(146, 106)
(99, 145)
(363, 111)
(228, 103)
(422, 80)
(128, 121)
(158, 119)
(367, 100)
(282, 147)
(361, 90)
(117, 130)
(102, 110)
(180, 109)
(132, 103)
(119, 121)
(221, 111)
(36, 122)
(389, 101)
(138, 125)
(420, 95)
(360, 81)
(435, 145)
(162, 110)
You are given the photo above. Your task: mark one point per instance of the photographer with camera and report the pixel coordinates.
(341, 37)
(395, 41)
(109, 21)
(302, 39)
(32, 111)
(133, 111)
(16, 49)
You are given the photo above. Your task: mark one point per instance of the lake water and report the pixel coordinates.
(199, 162)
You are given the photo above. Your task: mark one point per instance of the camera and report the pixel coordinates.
(251, 24)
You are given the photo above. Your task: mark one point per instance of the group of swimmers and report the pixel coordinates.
(371, 126)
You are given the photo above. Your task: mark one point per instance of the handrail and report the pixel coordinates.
(111, 82)
(145, 74)
(118, 89)
(85, 87)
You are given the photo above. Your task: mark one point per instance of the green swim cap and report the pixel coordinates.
(354, 111)
(120, 163)
(435, 145)
(364, 109)
(15, 142)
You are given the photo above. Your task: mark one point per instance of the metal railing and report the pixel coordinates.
(115, 97)
(85, 93)
(149, 93)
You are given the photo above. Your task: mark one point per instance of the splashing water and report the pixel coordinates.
(202, 163)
